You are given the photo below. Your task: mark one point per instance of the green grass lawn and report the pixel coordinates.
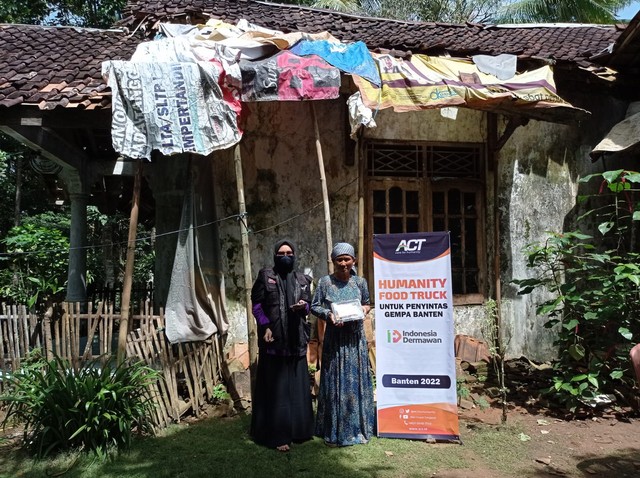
(222, 448)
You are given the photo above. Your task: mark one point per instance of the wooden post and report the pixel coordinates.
(128, 270)
(325, 194)
(252, 334)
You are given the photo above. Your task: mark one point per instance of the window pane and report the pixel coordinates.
(395, 225)
(469, 203)
(470, 242)
(379, 225)
(456, 279)
(439, 225)
(413, 205)
(395, 200)
(454, 202)
(379, 202)
(412, 224)
(438, 203)
(472, 283)
(456, 244)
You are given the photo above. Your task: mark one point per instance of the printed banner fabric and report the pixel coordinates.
(425, 82)
(287, 77)
(170, 107)
(415, 361)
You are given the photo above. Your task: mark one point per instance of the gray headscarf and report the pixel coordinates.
(342, 248)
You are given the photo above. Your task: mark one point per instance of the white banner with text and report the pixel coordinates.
(415, 360)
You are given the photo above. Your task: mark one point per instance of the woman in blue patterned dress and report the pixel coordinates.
(346, 413)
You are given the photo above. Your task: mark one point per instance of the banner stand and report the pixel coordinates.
(415, 359)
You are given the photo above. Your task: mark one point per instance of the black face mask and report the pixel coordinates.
(284, 263)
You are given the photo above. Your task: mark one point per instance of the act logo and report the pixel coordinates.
(393, 336)
(411, 245)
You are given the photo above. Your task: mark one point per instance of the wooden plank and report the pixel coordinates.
(23, 316)
(3, 322)
(47, 333)
(14, 352)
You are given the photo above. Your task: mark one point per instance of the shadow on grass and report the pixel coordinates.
(222, 448)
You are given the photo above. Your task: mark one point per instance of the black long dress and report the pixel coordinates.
(282, 412)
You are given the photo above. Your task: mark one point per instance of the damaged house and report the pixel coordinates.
(496, 166)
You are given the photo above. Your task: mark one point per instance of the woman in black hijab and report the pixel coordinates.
(281, 408)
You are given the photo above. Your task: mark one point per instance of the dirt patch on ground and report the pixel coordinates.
(594, 442)
(601, 446)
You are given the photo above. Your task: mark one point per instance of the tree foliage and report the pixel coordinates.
(81, 13)
(480, 11)
(574, 11)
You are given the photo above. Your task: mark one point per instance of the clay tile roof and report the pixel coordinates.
(57, 66)
(562, 43)
(61, 66)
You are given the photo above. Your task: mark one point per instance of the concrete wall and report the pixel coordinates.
(283, 192)
(539, 167)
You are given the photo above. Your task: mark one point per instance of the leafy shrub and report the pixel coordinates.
(595, 294)
(36, 266)
(94, 408)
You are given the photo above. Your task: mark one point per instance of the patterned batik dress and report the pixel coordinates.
(346, 411)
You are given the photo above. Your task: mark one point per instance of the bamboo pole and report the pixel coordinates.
(325, 194)
(252, 333)
(363, 263)
(128, 271)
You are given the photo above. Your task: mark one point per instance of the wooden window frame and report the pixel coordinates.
(427, 186)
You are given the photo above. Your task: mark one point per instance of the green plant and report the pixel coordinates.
(594, 288)
(95, 407)
(461, 388)
(497, 347)
(220, 393)
(482, 403)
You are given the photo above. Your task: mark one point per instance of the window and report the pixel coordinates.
(414, 187)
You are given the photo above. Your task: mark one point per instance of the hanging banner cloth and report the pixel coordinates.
(196, 302)
(425, 82)
(287, 77)
(170, 107)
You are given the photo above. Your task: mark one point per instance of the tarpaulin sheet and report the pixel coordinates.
(623, 136)
(195, 307)
(424, 82)
(170, 107)
(287, 77)
(352, 58)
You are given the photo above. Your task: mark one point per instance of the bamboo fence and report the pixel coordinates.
(83, 334)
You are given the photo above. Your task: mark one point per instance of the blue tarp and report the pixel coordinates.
(352, 58)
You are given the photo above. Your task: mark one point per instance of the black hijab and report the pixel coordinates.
(284, 266)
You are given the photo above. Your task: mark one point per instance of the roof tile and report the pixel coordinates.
(61, 66)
